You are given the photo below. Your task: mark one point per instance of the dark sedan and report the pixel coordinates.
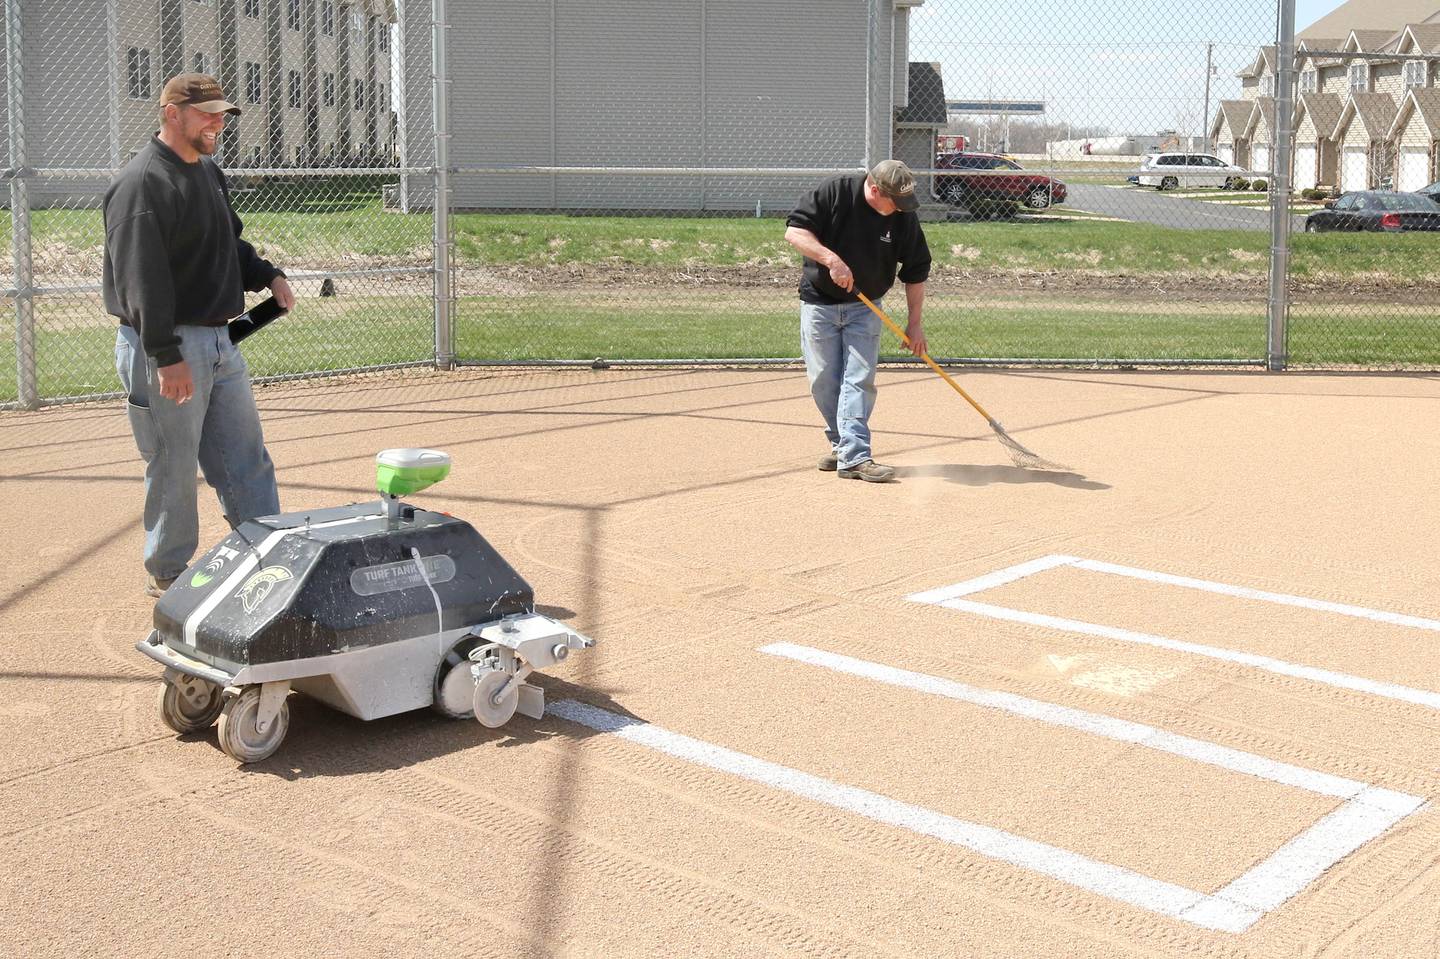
(1432, 191)
(1377, 212)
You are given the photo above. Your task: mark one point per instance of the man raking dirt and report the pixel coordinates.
(855, 231)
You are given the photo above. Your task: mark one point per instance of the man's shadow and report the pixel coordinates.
(966, 475)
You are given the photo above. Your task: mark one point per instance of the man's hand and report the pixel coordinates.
(284, 296)
(841, 274)
(916, 336)
(175, 382)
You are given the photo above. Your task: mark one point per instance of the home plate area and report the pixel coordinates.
(1338, 815)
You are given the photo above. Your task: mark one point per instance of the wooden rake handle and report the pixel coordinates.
(895, 328)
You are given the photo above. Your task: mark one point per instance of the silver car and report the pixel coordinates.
(1167, 171)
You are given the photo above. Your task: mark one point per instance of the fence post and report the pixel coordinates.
(27, 393)
(439, 81)
(1279, 307)
(400, 100)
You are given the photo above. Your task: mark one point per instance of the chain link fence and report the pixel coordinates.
(562, 181)
(317, 173)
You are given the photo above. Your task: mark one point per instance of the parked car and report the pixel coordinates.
(1166, 171)
(1375, 211)
(1432, 192)
(990, 179)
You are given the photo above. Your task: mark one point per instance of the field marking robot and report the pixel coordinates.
(373, 609)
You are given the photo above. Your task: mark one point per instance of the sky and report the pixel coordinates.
(1133, 66)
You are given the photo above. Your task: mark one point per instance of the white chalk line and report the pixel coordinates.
(1367, 812)
(950, 598)
(1113, 882)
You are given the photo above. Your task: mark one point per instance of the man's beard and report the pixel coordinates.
(202, 144)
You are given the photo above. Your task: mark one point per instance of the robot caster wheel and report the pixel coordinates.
(188, 705)
(245, 735)
(493, 709)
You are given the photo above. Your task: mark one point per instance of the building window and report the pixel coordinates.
(252, 9)
(327, 18)
(1267, 86)
(292, 14)
(1309, 81)
(1359, 78)
(137, 64)
(1415, 73)
(327, 89)
(294, 78)
(252, 82)
(384, 31)
(200, 63)
(357, 24)
(359, 94)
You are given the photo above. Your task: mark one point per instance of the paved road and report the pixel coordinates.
(1152, 206)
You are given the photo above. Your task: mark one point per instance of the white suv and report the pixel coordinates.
(1166, 171)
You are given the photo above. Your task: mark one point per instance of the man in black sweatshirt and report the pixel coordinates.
(854, 231)
(175, 272)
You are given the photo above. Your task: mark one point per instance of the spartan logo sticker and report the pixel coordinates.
(259, 587)
(212, 566)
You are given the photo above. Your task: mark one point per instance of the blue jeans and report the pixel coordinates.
(841, 345)
(219, 428)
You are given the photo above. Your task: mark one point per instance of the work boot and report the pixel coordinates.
(828, 463)
(869, 471)
(156, 586)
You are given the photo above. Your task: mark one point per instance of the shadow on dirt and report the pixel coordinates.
(989, 475)
(324, 743)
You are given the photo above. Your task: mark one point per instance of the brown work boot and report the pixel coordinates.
(828, 463)
(156, 587)
(869, 471)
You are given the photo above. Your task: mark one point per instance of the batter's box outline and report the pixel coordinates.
(954, 597)
(1367, 812)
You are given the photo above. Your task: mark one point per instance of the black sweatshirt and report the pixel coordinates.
(173, 252)
(870, 244)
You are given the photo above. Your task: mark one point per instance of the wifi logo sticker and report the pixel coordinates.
(212, 566)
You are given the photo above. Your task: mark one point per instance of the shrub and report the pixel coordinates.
(1259, 185)
(1311, 193)
(1241, 183)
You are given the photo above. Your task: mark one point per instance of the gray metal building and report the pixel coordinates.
(734, 85)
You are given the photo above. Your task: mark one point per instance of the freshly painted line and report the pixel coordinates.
(1367, 813)
(991, 580)
(949, 597)
(1420, 697)
(1303, 859)
(1284, 599)
(1096, 723)
(1113, 882)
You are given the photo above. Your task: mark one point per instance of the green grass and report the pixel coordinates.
(659, 319)
(347, 224)
(76, 357)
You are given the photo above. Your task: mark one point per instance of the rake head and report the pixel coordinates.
(1022, 457)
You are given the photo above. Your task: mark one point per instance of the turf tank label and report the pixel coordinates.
(393, 577)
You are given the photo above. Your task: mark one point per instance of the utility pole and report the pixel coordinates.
(1205, 118)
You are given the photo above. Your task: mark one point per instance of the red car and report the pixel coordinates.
(989, 179)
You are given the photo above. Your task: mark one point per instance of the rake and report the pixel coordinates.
(1022, 457)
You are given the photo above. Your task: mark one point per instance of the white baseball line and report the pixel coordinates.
(1233, 909)
(950, 597)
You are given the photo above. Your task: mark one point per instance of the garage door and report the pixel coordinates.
(1261, 158)
(1414, 168)
(1227, 152)
(1305, 171)
(1353, 169)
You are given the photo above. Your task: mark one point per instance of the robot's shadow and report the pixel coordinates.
(327, 743)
